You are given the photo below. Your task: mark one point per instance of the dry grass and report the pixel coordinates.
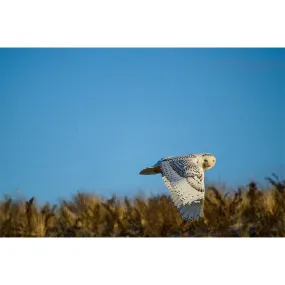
(249, 212)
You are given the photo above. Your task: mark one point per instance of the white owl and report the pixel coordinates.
(184, 178)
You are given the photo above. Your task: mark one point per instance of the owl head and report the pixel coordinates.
(207, 161)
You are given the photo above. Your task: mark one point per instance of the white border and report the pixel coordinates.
(141, 261)
(141, 23)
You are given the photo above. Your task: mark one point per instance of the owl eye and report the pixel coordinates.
(206, 160)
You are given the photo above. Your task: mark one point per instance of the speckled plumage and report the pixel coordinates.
(184, 178)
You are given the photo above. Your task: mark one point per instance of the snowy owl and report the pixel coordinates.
(184, 178)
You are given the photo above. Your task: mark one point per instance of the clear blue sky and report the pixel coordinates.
(93, 118)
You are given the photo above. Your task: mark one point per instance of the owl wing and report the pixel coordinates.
(185, 181)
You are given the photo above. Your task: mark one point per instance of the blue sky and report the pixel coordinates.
(91, 119)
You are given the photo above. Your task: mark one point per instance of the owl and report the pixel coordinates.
(184, 178)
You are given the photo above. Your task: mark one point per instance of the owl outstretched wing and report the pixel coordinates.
(184, 179)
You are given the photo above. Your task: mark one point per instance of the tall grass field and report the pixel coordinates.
(247, 212)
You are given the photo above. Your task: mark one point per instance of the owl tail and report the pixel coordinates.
(151, 170)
